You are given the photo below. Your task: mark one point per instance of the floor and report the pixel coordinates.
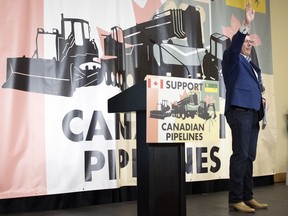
(213, 204)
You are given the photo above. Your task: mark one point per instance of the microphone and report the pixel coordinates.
(186, 68)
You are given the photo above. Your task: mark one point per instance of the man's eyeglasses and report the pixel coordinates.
(249, 41)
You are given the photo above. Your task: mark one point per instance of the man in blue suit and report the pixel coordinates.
(244, 87)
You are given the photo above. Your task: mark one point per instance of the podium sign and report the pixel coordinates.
(181, 110)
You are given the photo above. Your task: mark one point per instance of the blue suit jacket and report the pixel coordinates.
(242, 86)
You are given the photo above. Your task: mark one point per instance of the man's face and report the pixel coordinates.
(247, 46)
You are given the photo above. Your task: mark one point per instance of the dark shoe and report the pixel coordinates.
(256, 205)
(241, 207)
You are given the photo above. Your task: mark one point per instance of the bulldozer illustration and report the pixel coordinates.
(71, 65)
(188, 107)
(163, 112)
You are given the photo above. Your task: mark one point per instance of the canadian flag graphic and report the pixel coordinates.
(155, 83)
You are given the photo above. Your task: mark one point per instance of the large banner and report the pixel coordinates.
(61, 60)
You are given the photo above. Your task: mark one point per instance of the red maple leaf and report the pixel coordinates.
(209, 99)
(229, 31)
(184, 95)
(145, 13)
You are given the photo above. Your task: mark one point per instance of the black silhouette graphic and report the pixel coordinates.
(212, 60)
(72, 65)
(154, 47)
(185, 108)
(161, 46)
(145, 48)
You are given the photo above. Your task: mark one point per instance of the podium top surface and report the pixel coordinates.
(131, 99)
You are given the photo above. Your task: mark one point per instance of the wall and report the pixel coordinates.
(279, 31)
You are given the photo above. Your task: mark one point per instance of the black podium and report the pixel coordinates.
(160, 166)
